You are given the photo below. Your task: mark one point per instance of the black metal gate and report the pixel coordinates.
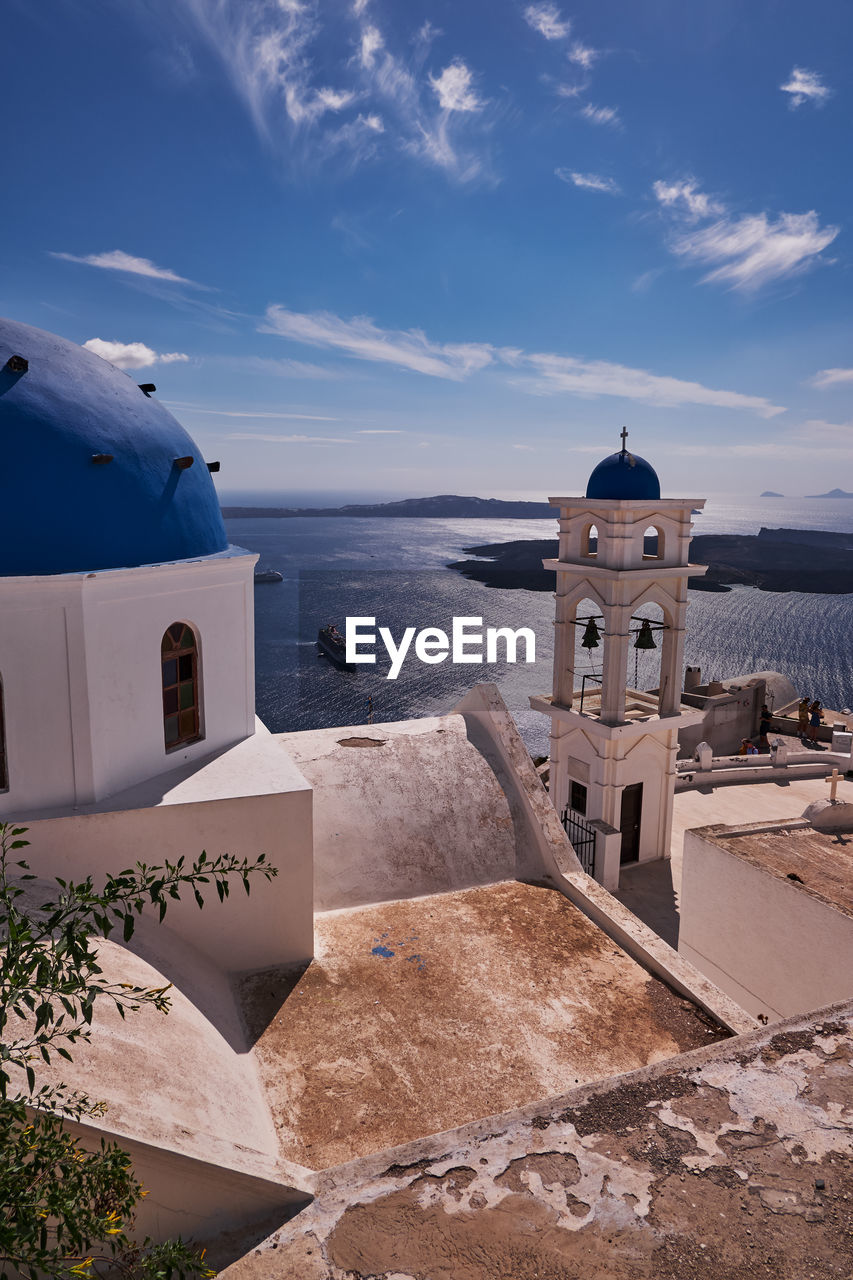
(582, 837)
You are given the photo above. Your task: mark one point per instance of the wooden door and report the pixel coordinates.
(629, 825)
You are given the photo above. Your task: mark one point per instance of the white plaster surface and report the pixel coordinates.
(248, 800)
(419, 811)
(184, 1080)
(80, 663)
(774, 947)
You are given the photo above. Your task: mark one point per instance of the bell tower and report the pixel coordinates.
(622, 549)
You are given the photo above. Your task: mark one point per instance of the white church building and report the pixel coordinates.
(431, 951)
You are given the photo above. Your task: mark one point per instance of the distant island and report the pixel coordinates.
(833, 493)
(443, 506)
(807, 560)
(769, 493)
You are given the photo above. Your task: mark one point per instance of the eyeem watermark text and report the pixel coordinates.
(466, 643)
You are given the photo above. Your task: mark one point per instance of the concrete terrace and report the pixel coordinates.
(734, 1162)
(420, 1015)
(652, 890)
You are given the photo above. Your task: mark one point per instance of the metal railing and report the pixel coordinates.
(582, 836)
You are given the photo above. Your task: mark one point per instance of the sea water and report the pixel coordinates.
(395, 570)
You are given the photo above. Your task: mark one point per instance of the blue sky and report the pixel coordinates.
(448, 246)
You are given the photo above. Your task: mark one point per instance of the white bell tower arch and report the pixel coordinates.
(614, 748)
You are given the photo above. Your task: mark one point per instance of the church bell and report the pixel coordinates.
(645, 639)
(591, 635)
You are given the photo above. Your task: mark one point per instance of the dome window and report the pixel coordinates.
(181, 706)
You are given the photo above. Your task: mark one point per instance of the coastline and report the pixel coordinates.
(811, 561)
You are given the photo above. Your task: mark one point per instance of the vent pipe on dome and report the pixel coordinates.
(100, 459)
(147, 388)
(183, 464)
(17, 364)
(213, 466)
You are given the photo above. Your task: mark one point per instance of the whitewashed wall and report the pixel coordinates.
(272, 926)
(772, 947)
(80, 665)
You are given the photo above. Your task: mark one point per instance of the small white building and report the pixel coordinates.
(767, 909)
(622, 548)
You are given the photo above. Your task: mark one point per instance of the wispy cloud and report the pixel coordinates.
(601, 115)
(805, 86)
(360, 337)
(375, 431)
(281, 368)
(548, 21)
(265, 47)
(272, 439)
(371, 44)
(746, 252)
(454, 88)
(555, 373)
(831, 378)
(248, 413)
(118, 260)
(749, 252)
(827, 435)
(371, 103)
(132, 355)
(422, 129)
(685, 197)
(643, 282)
(590, 181)
(582, 55)
(563, 90)
(538, 373)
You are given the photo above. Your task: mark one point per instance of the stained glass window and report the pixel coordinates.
(179, 660)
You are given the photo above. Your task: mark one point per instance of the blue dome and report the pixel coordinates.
(90, 478)
(624, 475)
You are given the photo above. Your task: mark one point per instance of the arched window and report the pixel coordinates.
(179, 654)
(589, 541)
(653, 544)
(4, 768)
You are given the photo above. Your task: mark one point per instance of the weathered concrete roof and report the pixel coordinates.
(815, 862)
(379, 829)
(419, 1015)
(729, 1163)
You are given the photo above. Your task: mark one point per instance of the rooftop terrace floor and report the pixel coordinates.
(735, 1163)
(420, 1015)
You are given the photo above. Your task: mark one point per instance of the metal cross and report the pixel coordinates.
(624, 434)
(833, 780)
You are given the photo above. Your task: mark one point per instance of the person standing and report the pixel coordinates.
(803, 716)
(764, 726)
(815, 717)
